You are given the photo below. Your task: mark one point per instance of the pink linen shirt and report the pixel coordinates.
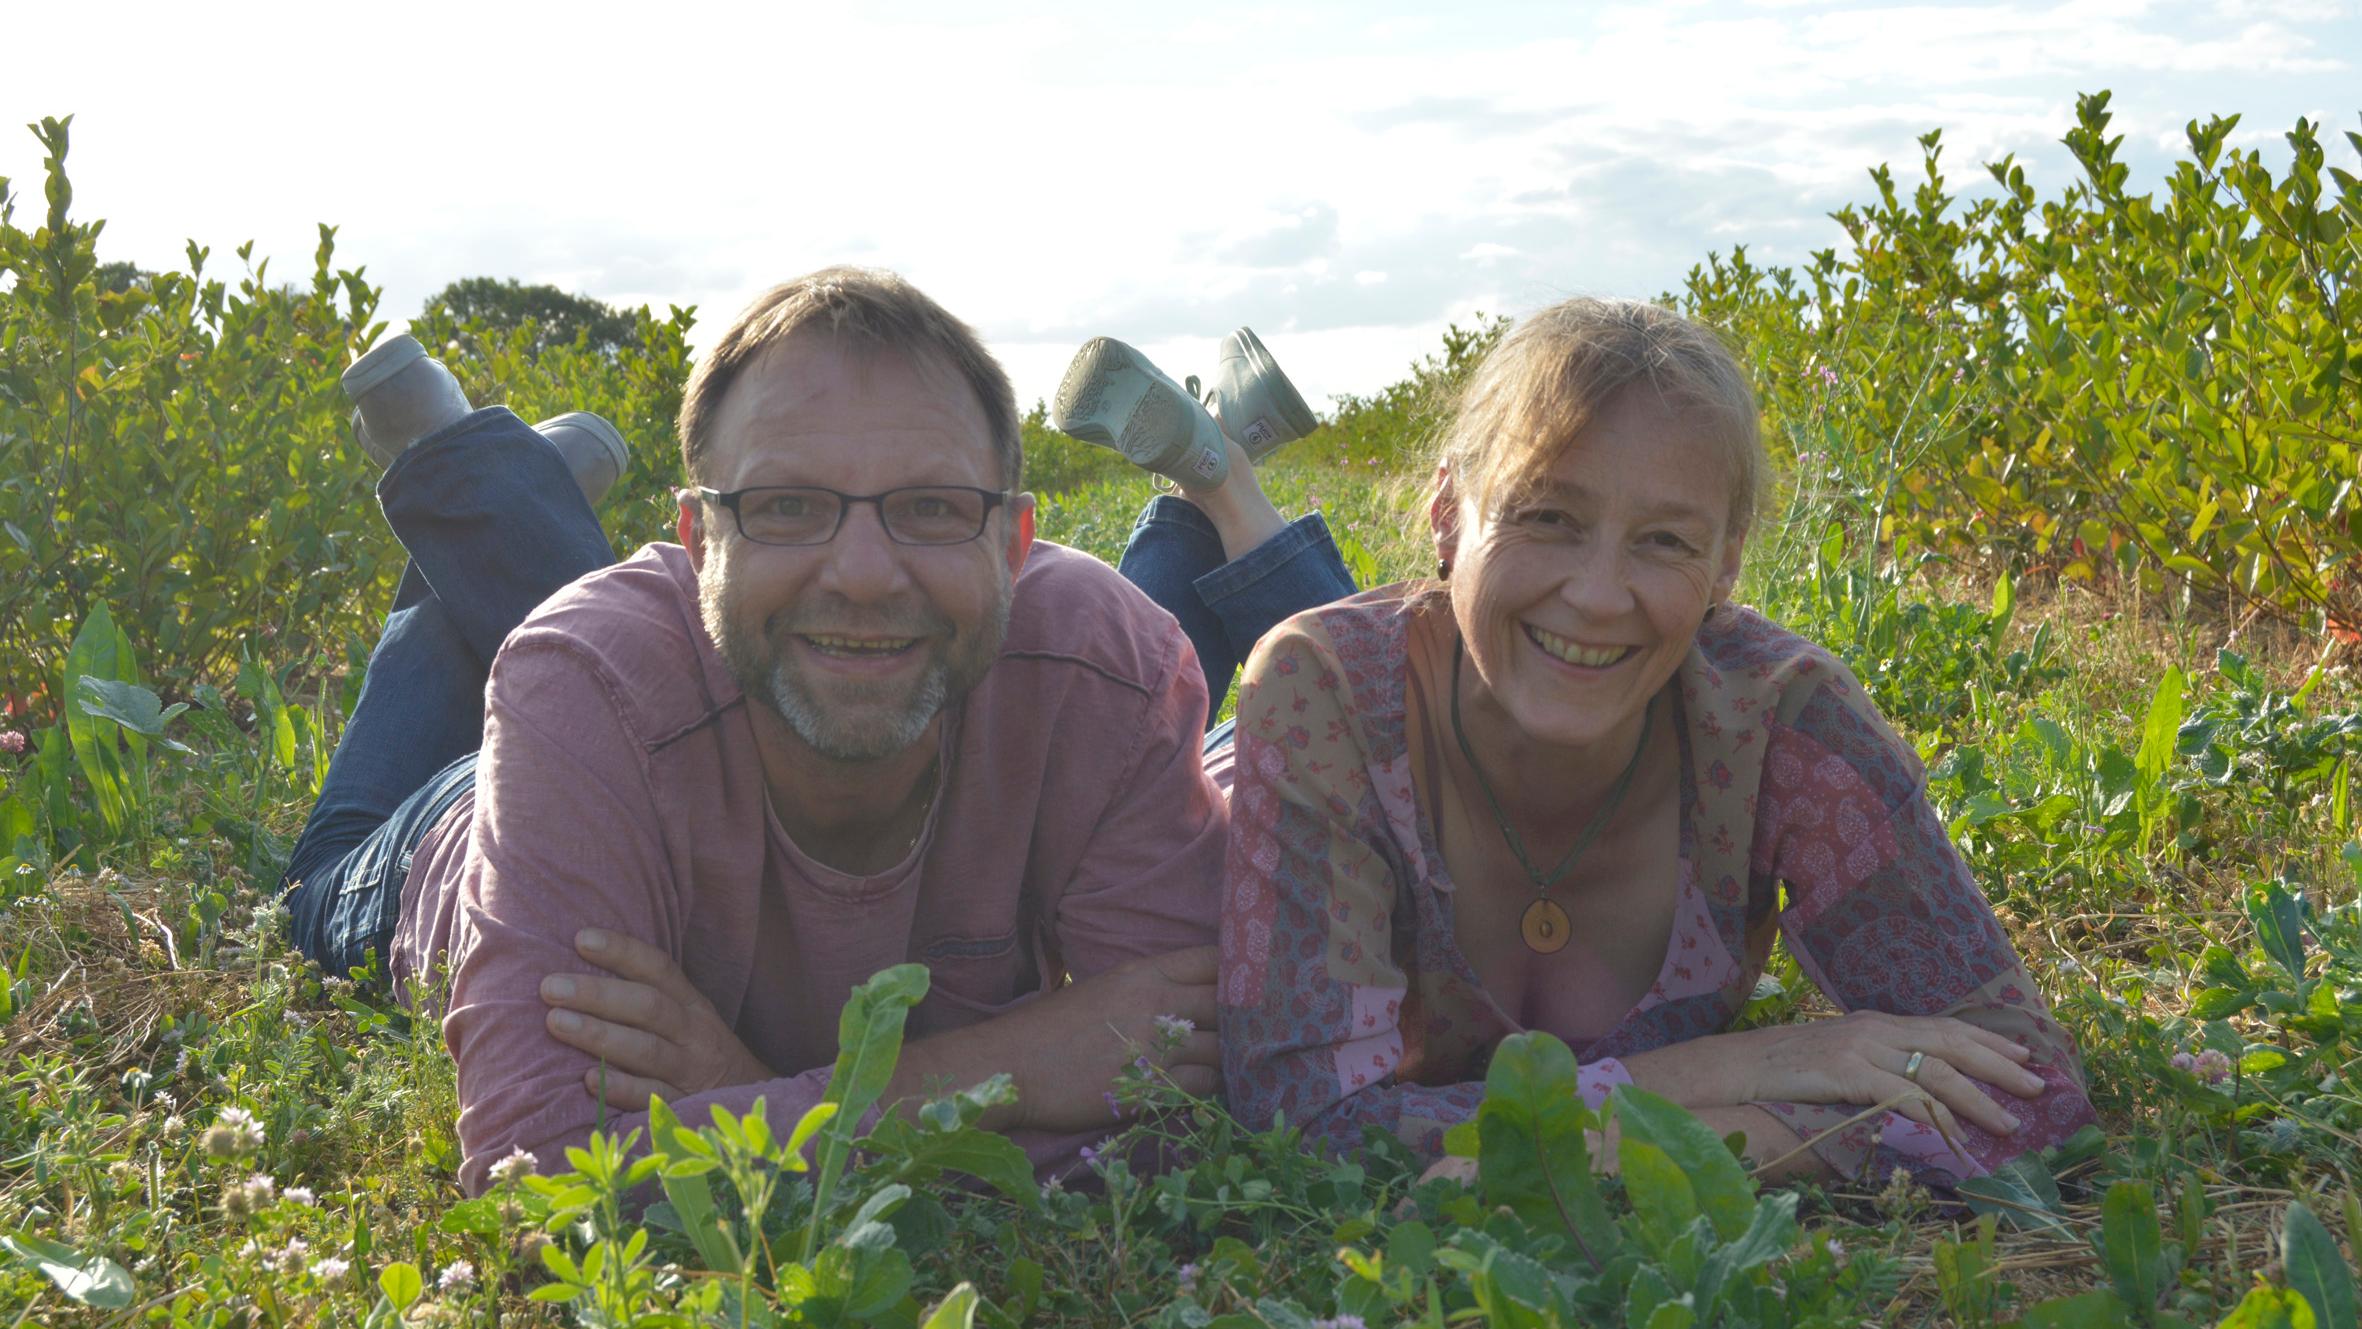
(1074, 827)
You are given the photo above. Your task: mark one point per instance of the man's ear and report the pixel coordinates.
(690, 526)
(1020, 544)
(1443, 517)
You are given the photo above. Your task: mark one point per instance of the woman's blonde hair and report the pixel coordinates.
(1539, 388)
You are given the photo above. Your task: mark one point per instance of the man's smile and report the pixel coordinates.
(833, 644)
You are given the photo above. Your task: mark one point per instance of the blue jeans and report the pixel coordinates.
(1225, 606)
(493, 523)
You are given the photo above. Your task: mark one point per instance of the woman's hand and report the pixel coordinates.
(1858, 1058)
(651, 1029)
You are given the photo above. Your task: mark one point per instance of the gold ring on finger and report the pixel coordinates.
(1911, 1066)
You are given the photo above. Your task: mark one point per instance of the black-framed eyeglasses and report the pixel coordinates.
(812, 515)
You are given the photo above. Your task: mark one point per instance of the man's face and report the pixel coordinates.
(857, 644)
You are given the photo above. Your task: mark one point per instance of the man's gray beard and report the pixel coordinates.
(856, 733)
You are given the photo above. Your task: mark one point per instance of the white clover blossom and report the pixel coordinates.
(512, 1167)
(300, 1195)
(457, 1276)
(331, 1269)
(234, 1132)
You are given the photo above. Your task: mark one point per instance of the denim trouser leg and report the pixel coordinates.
(1225, 606)
(493, 523)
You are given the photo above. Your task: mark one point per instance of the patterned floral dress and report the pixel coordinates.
(1347, 1003)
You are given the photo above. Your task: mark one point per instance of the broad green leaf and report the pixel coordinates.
(2021, 1193)
(2132, 1244)
(1647, 1291)
(2316, 1269)
(401, 1283)
(869, 1041)
(93, 1280)
(100, 650)
(869, 1037)
(1660, 1194)
(2089, 1310)
(993, 1159)
(881, 1277)
(1532, 1154)
(131, 706)
(1725, 1193)
(2279, 921)
(957, 1310)
(2161, 732)
(2268, 1307)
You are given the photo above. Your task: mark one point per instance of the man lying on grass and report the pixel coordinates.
(857, 716)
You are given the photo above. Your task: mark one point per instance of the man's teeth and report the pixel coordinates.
(860, 645)
(1590, 657)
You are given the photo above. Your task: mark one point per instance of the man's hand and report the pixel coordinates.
(1065, 1048)
(651, 1029)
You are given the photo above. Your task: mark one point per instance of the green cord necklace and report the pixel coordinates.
(1545, 925)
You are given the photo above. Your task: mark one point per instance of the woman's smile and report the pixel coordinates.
(1589, 659)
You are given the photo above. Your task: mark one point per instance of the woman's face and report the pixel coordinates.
(1578, 602)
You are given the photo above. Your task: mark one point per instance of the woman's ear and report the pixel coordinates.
(1443, 520)
(1726, 578)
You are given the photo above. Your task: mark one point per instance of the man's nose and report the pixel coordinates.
(863, 561)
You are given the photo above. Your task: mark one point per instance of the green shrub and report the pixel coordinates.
(2160, 385)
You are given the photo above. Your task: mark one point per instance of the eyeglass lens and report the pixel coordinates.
(916, 516)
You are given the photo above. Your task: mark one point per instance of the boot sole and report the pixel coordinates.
(1092, 394)
(1261, 436)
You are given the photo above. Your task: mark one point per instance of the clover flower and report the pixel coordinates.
(457, 1276)
(241, 1200)
(299, 1195)
(12, 740)
(512, 1167)
(289, 1259)
(332, 1269)
(234, 1133)
(2209, 1064)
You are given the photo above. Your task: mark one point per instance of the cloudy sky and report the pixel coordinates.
(1346, 178)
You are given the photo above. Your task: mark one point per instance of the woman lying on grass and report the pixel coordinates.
(1562, 787)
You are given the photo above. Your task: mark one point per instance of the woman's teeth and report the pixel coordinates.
(859, 645)
(1589, 657)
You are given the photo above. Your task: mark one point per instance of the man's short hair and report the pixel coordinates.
(867, 308)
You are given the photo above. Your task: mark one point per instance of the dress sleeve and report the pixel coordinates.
(1883, 916)
(565, 837)
(1312, 990)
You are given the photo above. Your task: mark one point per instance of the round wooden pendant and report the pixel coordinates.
(1545, 927)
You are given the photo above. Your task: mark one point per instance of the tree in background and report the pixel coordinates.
(558, 317)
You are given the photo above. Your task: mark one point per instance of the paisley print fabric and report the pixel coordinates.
(1348, 1004)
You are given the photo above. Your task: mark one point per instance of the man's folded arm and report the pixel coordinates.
(567, 835)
